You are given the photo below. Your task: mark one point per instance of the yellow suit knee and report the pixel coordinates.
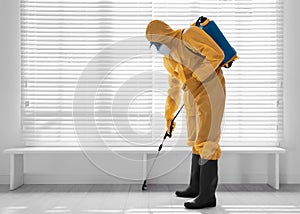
(209, 150)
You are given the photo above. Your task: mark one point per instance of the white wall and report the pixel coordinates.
(290, 162)
(77, 169)
(9, 81)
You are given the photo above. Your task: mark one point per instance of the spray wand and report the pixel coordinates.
(144, 187)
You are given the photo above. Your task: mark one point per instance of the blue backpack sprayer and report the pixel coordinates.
(215, 33)
(230, 55)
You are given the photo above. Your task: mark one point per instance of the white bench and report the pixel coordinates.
(17, 157)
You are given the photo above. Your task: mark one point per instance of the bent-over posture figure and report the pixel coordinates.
(193, 61)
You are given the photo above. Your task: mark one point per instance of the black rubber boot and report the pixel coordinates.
(207, 186)
(193, 189)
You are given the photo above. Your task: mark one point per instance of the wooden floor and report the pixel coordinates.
(234, 199)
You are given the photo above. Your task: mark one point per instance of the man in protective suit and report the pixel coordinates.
(193, 60)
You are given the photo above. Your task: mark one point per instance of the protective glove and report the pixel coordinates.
(168, 123)
(170, 109)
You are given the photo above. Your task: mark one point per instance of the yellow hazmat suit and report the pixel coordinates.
(194, 65)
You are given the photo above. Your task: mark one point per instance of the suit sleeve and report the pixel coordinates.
(173, 98)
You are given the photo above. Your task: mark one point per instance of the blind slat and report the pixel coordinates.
(77, 87)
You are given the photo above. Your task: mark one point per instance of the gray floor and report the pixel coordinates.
(234, 199)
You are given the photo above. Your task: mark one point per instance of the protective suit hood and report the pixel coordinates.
(159, 31)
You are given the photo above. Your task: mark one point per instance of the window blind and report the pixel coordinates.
(89, 77)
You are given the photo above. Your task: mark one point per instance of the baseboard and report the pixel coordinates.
(72, 179)
(290, 178)
(242, 178)
(98, 179)
(4, 179)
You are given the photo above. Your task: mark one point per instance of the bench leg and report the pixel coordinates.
(16, 171)
(145, 159)
(273, 171)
